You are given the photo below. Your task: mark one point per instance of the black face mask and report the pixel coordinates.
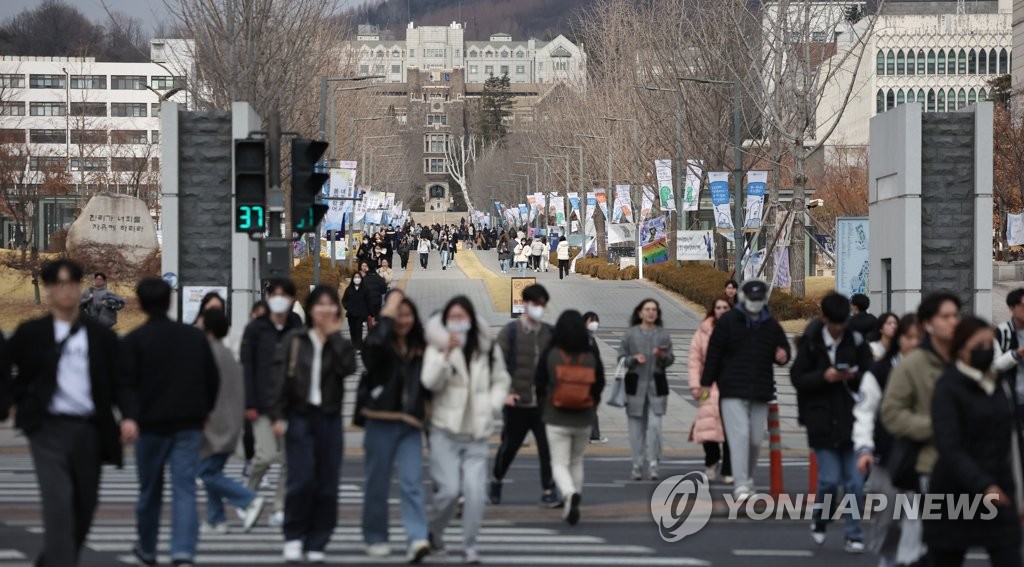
(981, 358)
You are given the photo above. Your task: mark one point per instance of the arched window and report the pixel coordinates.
(940, 103)
(880, 63)
(951, 62)
(941, 65)
(961, 62)
(900, 97)
(437, 192)
(911, 96)
(473, 54)
(890, 99)
(931, 61)
(920, 62)
(972, 63)
(961, 99)
(931, 100)
(879, 102)
(901, 63)
(993, 60)
(1004, 62)
(982, 95)
(982, 61)
(972, 96)
(911, 63)
(890, 63)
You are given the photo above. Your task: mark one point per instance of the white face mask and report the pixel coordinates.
(536, 312)
(279, 304)
(462, 326)
(593, 326)
(357, 281)
(754, 307)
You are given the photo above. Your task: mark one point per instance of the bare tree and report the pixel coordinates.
(459, 156)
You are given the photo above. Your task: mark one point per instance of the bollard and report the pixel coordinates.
(775, 449)
(812, 468)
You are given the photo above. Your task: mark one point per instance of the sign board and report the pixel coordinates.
(852, 255)
(695, 245)
(192, 296)
(518, 307)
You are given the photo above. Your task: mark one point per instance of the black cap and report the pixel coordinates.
(755, 290)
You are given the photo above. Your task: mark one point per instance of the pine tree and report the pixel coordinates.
(495, 105)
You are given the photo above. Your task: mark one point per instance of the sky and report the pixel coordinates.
(150, 12)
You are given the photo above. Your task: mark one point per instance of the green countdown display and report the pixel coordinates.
(250, 218)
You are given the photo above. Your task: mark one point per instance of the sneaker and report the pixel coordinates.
(471, 557)
(141, 558)
(652, 472)
(818, 534)
(378, 550)
(315, 557)
(418, 550)
(246, 469)
(436, 544)
(854, 546)
(598, 440)
(252, 513)
(741, 493)
(495, 492)
(550, 499)
(636, 475)
(213, 529)
(712, 473)
(240, 513)
(276, 520)
(728, 479)
(572, 511)
(292, 552)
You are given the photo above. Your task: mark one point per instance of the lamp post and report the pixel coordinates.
(583, 196)
(365, 138)
(682, 220)
(323, 99)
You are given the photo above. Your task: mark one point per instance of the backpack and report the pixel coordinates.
(573, 384)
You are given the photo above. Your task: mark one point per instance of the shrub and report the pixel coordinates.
(302, 275)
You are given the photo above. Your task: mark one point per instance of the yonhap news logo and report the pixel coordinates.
(681, 505)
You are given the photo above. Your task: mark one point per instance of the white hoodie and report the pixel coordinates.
(452, 382)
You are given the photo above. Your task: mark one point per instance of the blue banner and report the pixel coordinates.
(719, 182)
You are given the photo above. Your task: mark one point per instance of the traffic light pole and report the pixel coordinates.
(276, 194)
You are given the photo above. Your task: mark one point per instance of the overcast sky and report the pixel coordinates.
(148, 11)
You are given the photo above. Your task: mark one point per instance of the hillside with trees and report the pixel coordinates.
(542, 19)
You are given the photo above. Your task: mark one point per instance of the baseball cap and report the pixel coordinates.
(755, 290)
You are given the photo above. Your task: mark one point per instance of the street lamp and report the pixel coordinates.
(583, 196)
(352, 131)
(365, 138)
(323, 97)
(680, 166)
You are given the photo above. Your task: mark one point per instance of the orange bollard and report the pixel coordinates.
(775, 450)
(812, 465)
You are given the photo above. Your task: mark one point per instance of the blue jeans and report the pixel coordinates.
(313, 446)
(444, 258)
(838, 467)
(220, 488)
(387, 444)
(503, 264)
(522, 269)
(152, 453)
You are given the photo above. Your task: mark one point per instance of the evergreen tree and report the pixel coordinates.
(495, 105)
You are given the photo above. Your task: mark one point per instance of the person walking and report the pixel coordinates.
(211, 300)
(707, 428)
(173, 371)
(522, 256)
(259, 344)
(522, 341)
(536, 250)
(309, 372)
(569, 382)
(731, 288)
(403, 251)
(385, 272)
(978, 441)
(445, 249)
(563, 257)
(375, 287)
(830, 360)
(357, 309)
(221, 433)
(646, 349)
(545, 255)
(862, 321)
(391, 406)
(424, 249)
(64, 396)
(593, 323)
(745, 344)
(1010, 346)
(101, 304)
(504, 254)
(466, 373)
(885, 331)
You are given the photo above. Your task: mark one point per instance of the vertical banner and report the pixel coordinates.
(694, 174)
(524, 213)
(1015, 229)
(695, 245)
(557, 206)
(852, 255)
(782, 276)
(719, 181)
(752, 264)
(666, 194)
(623, 207)
(654, 241)
(646, 202)
(341, 185)
(602, 201)
(574, 204)
(756, 183)
(541, 202)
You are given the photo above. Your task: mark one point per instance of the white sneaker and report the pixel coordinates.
(741, 493)
(471, 557)
(315, 557)
(292, 552)
(728, 479)
(265, 483)
(252, 513)
(712, 473)
(378, 550)
(854, 546)
(276, 520)
(418, 550)
(213, 529)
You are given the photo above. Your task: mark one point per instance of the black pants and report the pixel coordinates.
(535, 261)
(248, 441)
(714, 453)
(595, 428)
(517, 422)
(405, 260)
(355, 330)
(313, 447)
(64, 453)
(1005, 556)
(563, 268)
(423, 260)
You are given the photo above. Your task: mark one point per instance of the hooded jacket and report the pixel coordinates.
(741, 353)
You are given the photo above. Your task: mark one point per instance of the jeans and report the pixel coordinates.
(838, 467)
(503, 265)
(522, 269)
(458, 467)
(220, 488)
(567, 446)
(715, 453)
(152, 453)
(444, 258)
(423, 260)
(313, 445)
(393, 444)
(745, 422)
(545, 261)
(517, 423)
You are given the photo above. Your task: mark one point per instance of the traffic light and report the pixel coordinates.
(250, 186)
(307, 184)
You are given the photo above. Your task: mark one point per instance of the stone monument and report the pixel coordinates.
(116, 220)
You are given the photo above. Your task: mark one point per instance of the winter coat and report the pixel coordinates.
(355, 302)
(708, 426)
(907, 403)
(741, 353)
(504, 253)
(537, 248)
(522, 253)
(647, 381)
(826, 408)
(101, 304)
(424, 246)
(376, 287)
(259, 343)
(292, 372)
(224, 425)
(547, 376)
(390, 389)
(479, 386)
(522, 350)
(864, 323)
(975, 440)
(387, 274)
(563, 250)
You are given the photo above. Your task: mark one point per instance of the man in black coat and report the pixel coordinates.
(830, 360)
(375, 287)
(862, 321)
(67, 386)
(175, 376)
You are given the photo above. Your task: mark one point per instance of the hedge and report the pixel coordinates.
(302, 275)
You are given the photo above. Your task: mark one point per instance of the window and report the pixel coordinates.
(489, 69)
(434, 143)
(504, 54)
(155, 134)
(396, 54)
(520, 55)
(819, 37)
(920, 62)
(88, 81)
(165, 82)
(441, 119)
(154, 109)
(972, 63)
(396, 69)
(961, 62)
(890, 99)
(89, 164)
(504, 69)
(901, 63)
(46, 81)
(520, 69)
(88, 109)
(378, 69)
(880, 63)
(951, 62)
(433, 165)
(911, 96)
(364, 69)
(931, 100)
(561, 65)
(12, 109)
(434, 53)
(900, 97)
(972, 96)
(489, 54)
(88, 136)
(380, 53)
(879, 101)
(128, 109)
(982, 95)
(911, 63)
(473, 69)
(412, 52)
(46, 163)
(992, 69)
(982, 62)
(961, 99)
(128, 164)
(436, 95)
(940, 104)
(931, 61)
(48, 136)
(128, 82)
(46, 109)
(920, 97)
(540, 66)
(941, 66)
(12, 136)
(12, 81)
(1004, 64)
(128, 137)
(890, 63)
(473, 53)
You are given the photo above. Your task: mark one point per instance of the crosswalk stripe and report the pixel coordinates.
(505, 560)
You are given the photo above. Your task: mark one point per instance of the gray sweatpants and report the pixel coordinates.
(645, 437)
(458, 467)
(745, 422)
(269, 450)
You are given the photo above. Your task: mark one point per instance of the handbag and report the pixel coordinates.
(902, 463)
(617, 399)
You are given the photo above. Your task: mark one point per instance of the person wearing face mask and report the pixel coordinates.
(364, 250)
(977, 439)
(646, 349)
(357, 308)
(707, 428)
(522, 342)
(745, 344)
(259, 343)
(424, 249)
(593, 323)
(521, 254)
(309, 372)
(830, 360)
(376, 287)
(465, 371)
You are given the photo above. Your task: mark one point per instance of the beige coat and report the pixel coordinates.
(907, 403)
(708, 426)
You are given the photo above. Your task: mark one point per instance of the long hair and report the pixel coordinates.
(571, 333)
(966, 329)
(416, 340)
(319, 292)
(711, 308)
(876, 333)
(635, 319)
(210, 296)
(907, 322)
(473, 339)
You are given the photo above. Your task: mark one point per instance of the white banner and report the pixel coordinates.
(646, 202)
(1015, 230)
(694, 173)
(719, 181)
(852, 255)
(556, 206)
(619, 233)
(623, 211)
(756, 183)
(341, 185)
(666, 194)
(695, 245)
